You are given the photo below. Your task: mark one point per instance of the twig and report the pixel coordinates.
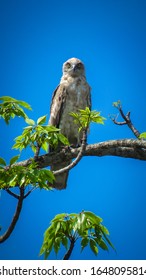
(29, 192)
(78, 158)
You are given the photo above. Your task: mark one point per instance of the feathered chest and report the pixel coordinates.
(76, 97)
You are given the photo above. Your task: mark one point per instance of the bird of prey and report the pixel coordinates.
(72, 94)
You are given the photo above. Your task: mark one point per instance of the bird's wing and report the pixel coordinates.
(57, 105)
(89, 98)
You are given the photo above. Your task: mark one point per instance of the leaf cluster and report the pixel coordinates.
(38, 135)
(66, 227)
(35, 135)
(16, 175)
(85, 117)
(11, 107)
(117, 104)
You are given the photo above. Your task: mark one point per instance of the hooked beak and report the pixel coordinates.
(74, 68)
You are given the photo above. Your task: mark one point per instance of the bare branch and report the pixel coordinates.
(12, 194)
(127, 121)
(30, 191)
(8, 232)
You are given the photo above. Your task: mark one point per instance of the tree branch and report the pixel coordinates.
(6, 235)
(68, 253)
(127, 121)
(126, 148)
(38, 147)
(77, 159)
(30, 191)
(12, 194)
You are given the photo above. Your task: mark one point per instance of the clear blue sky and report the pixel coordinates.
(110, 37)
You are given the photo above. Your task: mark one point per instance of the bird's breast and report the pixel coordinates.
(77, 98)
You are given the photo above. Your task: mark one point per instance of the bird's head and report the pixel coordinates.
(74, 67)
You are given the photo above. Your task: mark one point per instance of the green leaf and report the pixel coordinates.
(65, 242)
(12, 181)
(80, 223)
(23, 180)
(104, 229)
(45, 147)
(51, 128)
(103, 245)
(84, 243)
(142, 135)
(93, 247)
(109, 242)
(57, 245)
(93, 218)
(7, 98)
(59, 216)
(14, 159)
(33, 148)
(41, 120)
(17, 146)
(30, 121)
(63, 139)
(24, 104)
(57, 227)
(2, 162)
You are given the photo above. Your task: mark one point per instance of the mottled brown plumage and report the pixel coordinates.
(72, 94)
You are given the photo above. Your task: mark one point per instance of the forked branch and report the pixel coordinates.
(127, 120)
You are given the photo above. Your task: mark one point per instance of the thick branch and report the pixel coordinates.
(127, 148)
(15, 217)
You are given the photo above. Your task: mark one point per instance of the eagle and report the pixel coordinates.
(72, 94)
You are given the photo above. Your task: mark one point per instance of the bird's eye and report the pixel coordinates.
(67, 65)
(80, 65)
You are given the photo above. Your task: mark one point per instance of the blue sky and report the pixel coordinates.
(110, 37)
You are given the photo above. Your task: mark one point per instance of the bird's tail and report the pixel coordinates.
(60, 179)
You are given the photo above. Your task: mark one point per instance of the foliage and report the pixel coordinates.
(67, 227)
(39, 135)
(85, 117)
(22, 176)
(10, 107)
